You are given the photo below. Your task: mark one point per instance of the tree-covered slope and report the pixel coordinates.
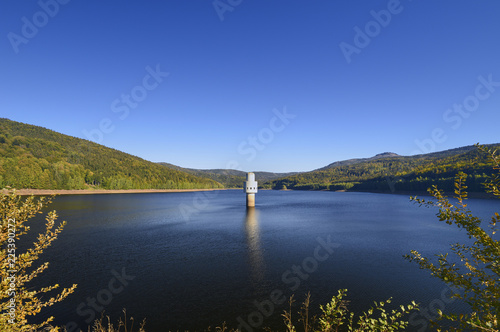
(415, 173)
(357, 161)
(39, 158)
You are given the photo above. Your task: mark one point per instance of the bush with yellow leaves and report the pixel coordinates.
(18, 302)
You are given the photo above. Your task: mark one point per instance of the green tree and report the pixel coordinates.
(335, 315)
(475, 270)
(17, 300)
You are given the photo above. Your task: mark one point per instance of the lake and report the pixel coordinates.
(195, 259)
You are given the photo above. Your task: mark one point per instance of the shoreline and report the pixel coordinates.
(479, 195)
(48, 192)
(45, 192)
(474, 194)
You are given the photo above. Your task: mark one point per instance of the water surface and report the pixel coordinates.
(190, 260)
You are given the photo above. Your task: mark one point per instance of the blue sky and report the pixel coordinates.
(255, 85)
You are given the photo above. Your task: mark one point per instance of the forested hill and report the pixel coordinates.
(230, 178)
(39, 158)
(396, 173)
(357, 161)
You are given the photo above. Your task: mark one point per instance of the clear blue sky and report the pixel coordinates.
(72, 66)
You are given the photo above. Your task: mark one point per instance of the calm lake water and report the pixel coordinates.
(191, 260)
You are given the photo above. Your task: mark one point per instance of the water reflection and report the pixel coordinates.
(254, 247)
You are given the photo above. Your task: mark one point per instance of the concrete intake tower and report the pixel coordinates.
(250, 189)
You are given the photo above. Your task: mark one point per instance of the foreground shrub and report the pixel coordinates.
(100, 325)
(475, 270)
(335, 316)
(18, 302)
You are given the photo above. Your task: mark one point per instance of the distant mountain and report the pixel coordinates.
(230, 178)
(39, 158)
(358, 160)
(389, 172)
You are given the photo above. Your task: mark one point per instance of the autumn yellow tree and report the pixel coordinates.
(18, 300)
